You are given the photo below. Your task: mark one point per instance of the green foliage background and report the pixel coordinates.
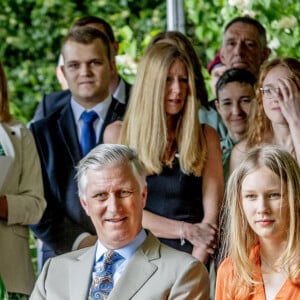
(31, 32)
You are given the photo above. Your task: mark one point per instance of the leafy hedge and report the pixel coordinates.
(31, 33)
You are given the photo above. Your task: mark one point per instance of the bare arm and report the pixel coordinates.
(174, 229)
(112, 132)
(161, 226)
(212, 193)
(213, 181)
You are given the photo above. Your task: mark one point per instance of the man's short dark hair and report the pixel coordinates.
(86, 35)
(86, 20)
(234, 75)
(250, 21)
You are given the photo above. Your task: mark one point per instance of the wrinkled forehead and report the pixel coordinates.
(242, 31)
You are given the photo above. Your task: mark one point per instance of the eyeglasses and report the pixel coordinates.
(269, 91)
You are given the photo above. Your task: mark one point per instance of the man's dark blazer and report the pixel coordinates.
(59, 150)
(51, 103)
(56, 100)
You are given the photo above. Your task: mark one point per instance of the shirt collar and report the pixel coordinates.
(127, 251)
(101, 108)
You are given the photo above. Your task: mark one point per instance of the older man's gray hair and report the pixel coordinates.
(106, 155)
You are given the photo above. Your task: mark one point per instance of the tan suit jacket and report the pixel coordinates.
(23, 188)
(154, 272)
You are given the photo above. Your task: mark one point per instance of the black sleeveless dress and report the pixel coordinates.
(175, 195)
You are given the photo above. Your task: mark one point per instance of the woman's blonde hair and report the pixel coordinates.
(238, 238)
(145, 126)
(260, 125)
(185, 44)
(5, 115)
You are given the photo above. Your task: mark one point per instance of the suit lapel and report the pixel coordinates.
(142, 268)
(127, 91)
(80, 274)
(68, 131)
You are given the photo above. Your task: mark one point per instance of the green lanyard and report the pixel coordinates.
(2, 153)
(3, 294)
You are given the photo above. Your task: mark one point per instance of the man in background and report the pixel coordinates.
(65, 136)
(119, 88)
(244, 45)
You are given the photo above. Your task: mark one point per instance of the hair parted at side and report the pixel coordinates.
(260, 125)
(87, 35)
(184, 43)
(5, 115)
(145, 127)
(238, 238)
(105, 155)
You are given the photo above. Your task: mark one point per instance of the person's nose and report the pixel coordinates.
(176, 86)
(113, 203)
(239, 48)
(262, 205)
(85, 70)
(236, 109)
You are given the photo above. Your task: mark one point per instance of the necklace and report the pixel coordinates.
(170, 151)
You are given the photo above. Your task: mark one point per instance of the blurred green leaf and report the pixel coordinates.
(31, 32)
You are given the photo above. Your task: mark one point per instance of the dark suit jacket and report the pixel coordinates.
(155, 272)
(51, 103)
(59, 150)
(56, 100)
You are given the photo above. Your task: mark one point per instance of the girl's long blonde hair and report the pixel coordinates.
(238, 238)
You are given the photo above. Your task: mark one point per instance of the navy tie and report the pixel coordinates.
(88, 135)
(102, 283)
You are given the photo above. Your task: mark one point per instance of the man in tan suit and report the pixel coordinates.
(112, 191)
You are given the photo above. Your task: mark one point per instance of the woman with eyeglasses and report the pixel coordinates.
(276, 119)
